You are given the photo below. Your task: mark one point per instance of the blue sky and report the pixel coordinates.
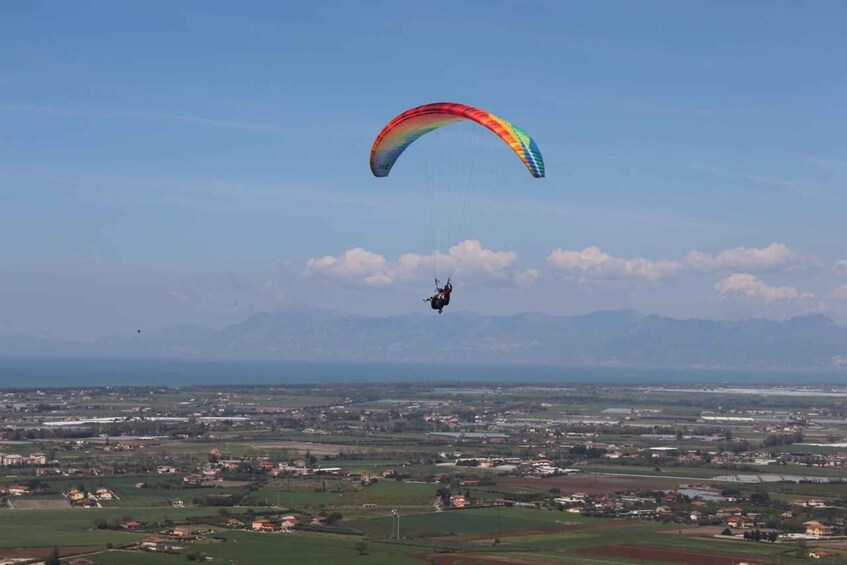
(164, 162)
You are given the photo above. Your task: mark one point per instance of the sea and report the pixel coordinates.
(37, 372)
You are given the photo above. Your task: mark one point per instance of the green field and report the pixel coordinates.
(75, 526)
(246, 548)
(687, 472)
(385, 493)
(486, 520)
(550, 536)
(160, 489)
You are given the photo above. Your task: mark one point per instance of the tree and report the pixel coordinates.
(760, 498)
(361, 547)
(53, 558)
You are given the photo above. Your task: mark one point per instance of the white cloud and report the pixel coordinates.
(774, 257)
(749, 286)
(355, 264)
(840, 267)
(527, 277)
(593, 264)
(468, 258)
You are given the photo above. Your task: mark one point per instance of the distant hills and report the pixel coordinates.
(622, 338)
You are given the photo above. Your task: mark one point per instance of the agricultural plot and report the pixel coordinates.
(126, 557)
(685, 472)
(39, 503)
(158, 491)
(153, 497)
(631, 541)
(591, 484)
(75, 527)
(386, 493)
(557, 537)
(460, 522)
(247, 548)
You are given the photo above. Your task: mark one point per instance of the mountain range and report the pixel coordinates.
(622, 338)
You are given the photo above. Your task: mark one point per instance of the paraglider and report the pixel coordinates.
(441, 298)
(416, 122)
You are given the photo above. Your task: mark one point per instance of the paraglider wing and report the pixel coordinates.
(412, 124)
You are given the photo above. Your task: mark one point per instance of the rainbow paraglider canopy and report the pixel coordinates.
(400, 132)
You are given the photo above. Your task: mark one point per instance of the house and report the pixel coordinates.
(318, 521)
(815, 529)
(739, 522)
(730, 511)
(695, 516)
(788, 514)
(166, 470)
(131, 525)
(288, 525)
(13, 460)
(820, 554)
(235, 523)
(458, 501)
(181, 531)
(104, 494)
(153, 544)
(177, 503)
(80, 561)
(193, 479)
(19, 490)
(263, 525)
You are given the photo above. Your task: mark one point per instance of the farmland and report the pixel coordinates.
(519, 475)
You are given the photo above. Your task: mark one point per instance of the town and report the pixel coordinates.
(513, 473)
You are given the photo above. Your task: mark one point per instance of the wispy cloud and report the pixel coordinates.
(803, 185)
(145, 115)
